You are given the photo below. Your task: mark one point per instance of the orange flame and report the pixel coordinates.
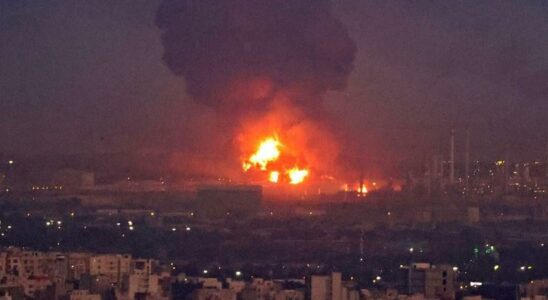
(274, 176)
(297, 175)
(268, 152)
(362, 189)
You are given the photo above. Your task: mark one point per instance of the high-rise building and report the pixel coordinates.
(326, 287)
(143, 278)
(113, 266)
(431, 281)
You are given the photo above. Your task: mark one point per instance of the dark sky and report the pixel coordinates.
(77, 76)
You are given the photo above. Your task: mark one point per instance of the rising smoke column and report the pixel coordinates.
(261, 62)
(233, 51)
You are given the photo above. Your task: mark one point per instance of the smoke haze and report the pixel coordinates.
(241, 50)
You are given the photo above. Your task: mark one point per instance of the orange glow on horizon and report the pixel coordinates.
(360, 190)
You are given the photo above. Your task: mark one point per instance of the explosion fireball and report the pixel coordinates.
(268, 151)
(267, 159)
(297, 175)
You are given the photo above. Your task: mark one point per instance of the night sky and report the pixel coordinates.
(81, 76)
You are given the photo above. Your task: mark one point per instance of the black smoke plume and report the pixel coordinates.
(233, 51)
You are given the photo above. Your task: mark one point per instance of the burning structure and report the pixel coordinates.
(268, 153)
(263, 67)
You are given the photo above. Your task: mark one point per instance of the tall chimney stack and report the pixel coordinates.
(361, 184)
(452, 157)
(467, 161)
(507, 167)
(435, 167)
(546, 158)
